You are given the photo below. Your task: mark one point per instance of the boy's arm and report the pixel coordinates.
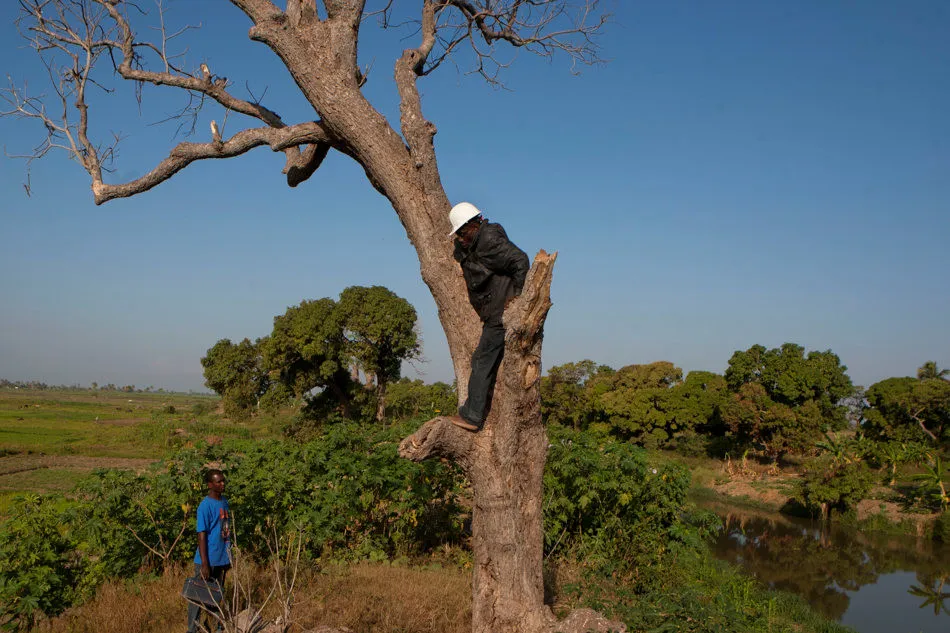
(203, 551)
(203, 527)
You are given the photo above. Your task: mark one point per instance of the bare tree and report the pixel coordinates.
(318, 46)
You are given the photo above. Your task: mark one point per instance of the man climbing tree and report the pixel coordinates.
(318, 43)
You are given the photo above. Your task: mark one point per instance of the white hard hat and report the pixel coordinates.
(462, 213)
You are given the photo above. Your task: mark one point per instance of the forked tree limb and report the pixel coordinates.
(439, 438)
(528, 314)
(257, 10)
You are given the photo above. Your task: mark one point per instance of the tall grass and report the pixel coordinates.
(365, 597)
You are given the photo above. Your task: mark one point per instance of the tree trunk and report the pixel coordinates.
(380, 400)
(505, 461)
(505, 465)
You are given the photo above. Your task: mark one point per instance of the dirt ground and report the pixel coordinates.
(770, 491)
(761, 493)
(23, 462)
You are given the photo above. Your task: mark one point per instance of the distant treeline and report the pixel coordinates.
(41, 386)
(777, 401)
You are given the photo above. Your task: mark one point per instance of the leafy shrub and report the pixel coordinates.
(348, 490)
(605, 504)
(42, 568)
(699, 594)
(840, 487)
(199, 409)
(352, 496)
(134, 521)
(691, 444)
(413, 399)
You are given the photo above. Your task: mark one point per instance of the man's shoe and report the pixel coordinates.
(462, 423)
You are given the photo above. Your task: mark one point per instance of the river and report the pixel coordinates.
(870, 582)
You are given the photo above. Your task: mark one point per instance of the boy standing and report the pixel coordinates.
(213, 556)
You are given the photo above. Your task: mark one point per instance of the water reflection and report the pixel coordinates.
(829, 566)
(933, 594)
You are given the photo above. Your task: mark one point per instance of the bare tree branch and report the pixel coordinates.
(542, 27)
(308, 163)
(258, 10)
(184, 154)
(214, 87)
(77, 32)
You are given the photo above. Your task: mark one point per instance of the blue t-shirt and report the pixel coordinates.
(214, 517)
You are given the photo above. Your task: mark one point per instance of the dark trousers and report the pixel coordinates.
(194, 611)
(481, 383)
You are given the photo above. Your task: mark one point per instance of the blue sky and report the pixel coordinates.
(740, 172)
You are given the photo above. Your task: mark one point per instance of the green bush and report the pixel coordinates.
(43, 568)
(824, 489)
(349, 491)
(135, 521)
(413, 399)
(605, 504)
(698, 594)
(202, 408)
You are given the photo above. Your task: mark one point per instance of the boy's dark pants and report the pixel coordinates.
(217, 573)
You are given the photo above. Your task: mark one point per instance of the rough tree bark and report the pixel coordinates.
(505, 461)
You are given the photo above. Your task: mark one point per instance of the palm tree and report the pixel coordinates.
(933, 478)
(929, 370)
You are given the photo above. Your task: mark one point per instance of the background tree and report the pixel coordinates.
(696, 407)
(318, 45)
(638, 402)
(407, 398)
(930, 370)
(784, 399)
(908, 409)
(565, 396)
(306, 351)
(380, 332)
(754, 419)
(236, 373)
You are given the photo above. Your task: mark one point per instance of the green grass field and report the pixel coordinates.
(90, 423)
(49, 439)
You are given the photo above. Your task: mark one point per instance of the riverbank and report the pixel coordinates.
(873, 581)
(770, 488)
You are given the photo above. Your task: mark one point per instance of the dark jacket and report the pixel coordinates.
(494, 270)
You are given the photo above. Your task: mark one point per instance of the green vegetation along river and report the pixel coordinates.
(872, 582)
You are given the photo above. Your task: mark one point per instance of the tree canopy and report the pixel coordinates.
(237, 374)
(909, 409)
(379, 329)
(779, 400)
(783, 398)
(317, 345)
